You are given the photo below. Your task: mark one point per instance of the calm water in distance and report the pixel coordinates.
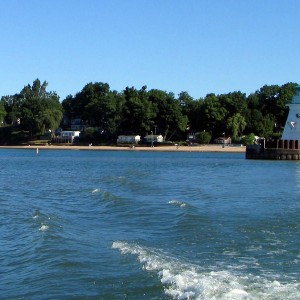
(148, 225)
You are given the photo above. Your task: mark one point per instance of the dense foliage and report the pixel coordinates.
(33, 109)
(108, 113)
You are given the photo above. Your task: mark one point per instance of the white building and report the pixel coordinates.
(66, 136)
(292, 126)
(128, 139)
(154, 138)
(222, 140)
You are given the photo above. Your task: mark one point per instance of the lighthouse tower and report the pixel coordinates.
(292, 126)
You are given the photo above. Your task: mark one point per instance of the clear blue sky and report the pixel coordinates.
(198, 46)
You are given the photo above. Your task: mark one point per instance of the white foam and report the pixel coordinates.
(44, 228)
(177, 202)
(276, 283)
(237, 294)
(95, 191)
(188, 281)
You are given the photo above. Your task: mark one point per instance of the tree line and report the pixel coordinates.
(107, 113)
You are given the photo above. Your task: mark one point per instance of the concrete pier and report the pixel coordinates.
(275, 150)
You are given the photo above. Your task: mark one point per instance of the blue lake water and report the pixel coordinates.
(148, 225)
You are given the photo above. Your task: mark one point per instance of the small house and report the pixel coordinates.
(128, 139)
(222, 140)
(153, 138)
(66, 136)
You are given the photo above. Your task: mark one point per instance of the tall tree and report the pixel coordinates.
(191, 109)
(101, 108)
(169, 116)
(254, 122)
(97, 106)
(235, 102)
(138, 112)
(214, 114)
(268, 97)
(236, 125)
(195, 114)
(40, 110)
(186, 102)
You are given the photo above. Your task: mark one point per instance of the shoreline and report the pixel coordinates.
(200, 148)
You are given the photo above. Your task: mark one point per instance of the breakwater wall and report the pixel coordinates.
(275, 150)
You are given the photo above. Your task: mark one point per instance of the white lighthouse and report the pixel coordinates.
(292, 126)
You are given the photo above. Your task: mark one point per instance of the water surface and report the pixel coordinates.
(148, 225)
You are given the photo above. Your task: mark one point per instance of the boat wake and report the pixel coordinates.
(182, 280)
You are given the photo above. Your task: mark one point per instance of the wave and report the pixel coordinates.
(41, 220)
(129, 181)
(44, 223)
(183, 280)
(106, 196)
(178, 203)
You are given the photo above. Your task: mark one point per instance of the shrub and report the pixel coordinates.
(248, 139)
(203, 137)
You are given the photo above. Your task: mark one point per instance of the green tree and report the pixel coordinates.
(2, 112)
(255, 123)
(259, 124)
(69, 108)
(138, 112)
(97, 106)
(12, 105)
(102, 108)
(40, 110)
(169, 117)
(235, 102)
(214, 114)
(236, 125)
(253, 102)
(268, 126)
(248, 139)
(268, 96)
(203, 137)
(192, 109)
(186, 102)
(196, 117)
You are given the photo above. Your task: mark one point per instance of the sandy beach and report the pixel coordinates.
(200, 148)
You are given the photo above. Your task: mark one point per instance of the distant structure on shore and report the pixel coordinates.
(288, 147)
